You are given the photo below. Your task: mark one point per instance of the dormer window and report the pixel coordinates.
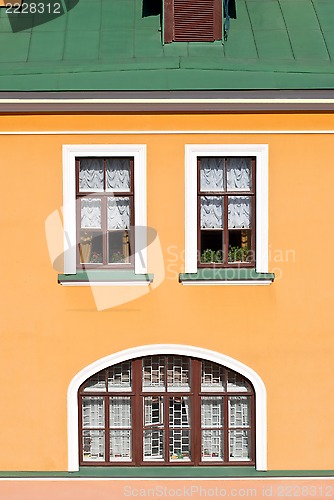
(195, 20)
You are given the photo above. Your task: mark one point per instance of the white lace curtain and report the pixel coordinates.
(212, 211)
(238, 174)
(91, 174)
(212, 174)
(118, 213)
(91, 213)
(92, 412)
(118, 174)
(239, 416)
(120, 412)
(239, 212)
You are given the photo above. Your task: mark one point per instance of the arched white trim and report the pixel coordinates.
(150, 350)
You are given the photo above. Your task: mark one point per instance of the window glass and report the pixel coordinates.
(91, 175)
(154, 373)
(118, 174)
(119, 377)
(104, 235)
(226, 232)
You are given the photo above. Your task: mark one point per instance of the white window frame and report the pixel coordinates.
(70, 152)
(192, 152)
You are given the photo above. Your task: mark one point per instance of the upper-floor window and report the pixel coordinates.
(226, 201)
(104, 208)
(197, 20)
(160, 410)
(105, 212)
(226, 211)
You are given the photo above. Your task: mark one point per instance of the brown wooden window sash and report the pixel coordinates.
(248, 259)
(102, 259)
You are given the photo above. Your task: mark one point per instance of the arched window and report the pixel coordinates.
(168, 409)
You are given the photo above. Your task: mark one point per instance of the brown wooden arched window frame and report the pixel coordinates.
(166, 410)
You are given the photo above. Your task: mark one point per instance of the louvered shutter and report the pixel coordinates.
(192, 20)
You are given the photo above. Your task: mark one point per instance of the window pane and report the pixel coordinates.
(120, 411)
(92, 412)
(239, 445)
(239, 212)
(212, 242)
(120, 377)
(90, 247)
(153, 445)
(212, 174)
(154, 373)
(179, 411)
(91, 213)
(93, 446)
(212, 212)
(212, 411)
(153, 410)
(91, 174)
(239, 171)
(212, 445)
(96, 383)
(239, 245)
(178, 373)
(237, 383)
(118, 213)
(212, 377)
(119, 249)
(120, 446)
(239, 411)
(179, 445)
(118, 174)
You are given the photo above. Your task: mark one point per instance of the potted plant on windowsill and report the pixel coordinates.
(117, 258)
(237, 254)
(96, 258)
(212, 256)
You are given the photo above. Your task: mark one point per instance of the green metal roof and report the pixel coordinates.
(111, 45)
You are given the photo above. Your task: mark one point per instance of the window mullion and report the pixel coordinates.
(107, 428)
(195, 409)
(226, 420)
(166, 413)
(225, 216)
(225, 229)
(137, 412)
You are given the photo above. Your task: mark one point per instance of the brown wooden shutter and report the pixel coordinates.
(192, 20)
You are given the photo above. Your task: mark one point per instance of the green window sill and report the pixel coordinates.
(103, 277)
(166, 472)
(224, 276)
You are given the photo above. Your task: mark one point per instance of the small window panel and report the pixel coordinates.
(104, 172)
(161, 410)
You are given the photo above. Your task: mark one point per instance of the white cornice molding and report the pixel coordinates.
(166, 132)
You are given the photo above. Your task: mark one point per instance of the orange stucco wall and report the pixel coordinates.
(283, 331)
